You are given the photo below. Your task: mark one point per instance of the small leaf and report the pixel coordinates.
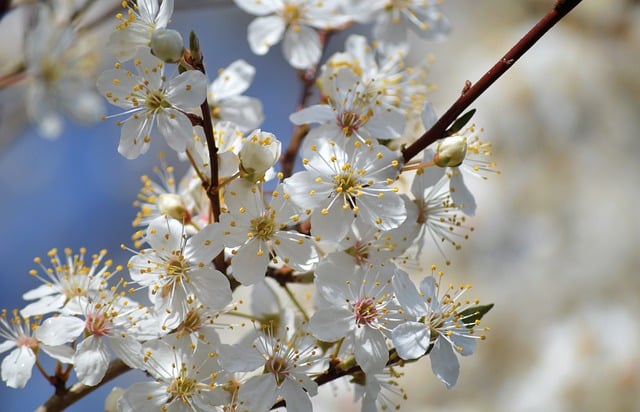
(470, 315)
(459, 123)
(194, 47)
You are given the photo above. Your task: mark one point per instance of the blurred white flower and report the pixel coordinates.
(226, 100)
(295, 20)
(136, 28)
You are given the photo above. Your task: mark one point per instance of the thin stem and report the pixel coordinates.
(471, 93)
(295, 302)
(212, 189)
(201, 176)
(245, 316)
(42, 371)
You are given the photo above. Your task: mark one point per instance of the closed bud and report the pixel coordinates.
(259, 153)
(166, 44)
(451, 151)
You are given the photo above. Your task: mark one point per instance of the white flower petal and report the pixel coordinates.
(206, 244)
(211, 287)
(17, 366)
(187, 90)
(59, 330)
(264, 32)
(44, 305)
(236, 358)
(429, 116)
(176, 128)
(144, 397)
(334, 225)
(297, 250)
(411, 340)
(408, 295)
(258, 7)
(444, 362)
(250, 262)
(135, 136)
(233, 80)
(258, 393)
(246, 112)
(297, 398)
(301, 46)
(63, 353)
(370, 349)
(461, 195)
(91, 360)
(331, 324)
(318, 113)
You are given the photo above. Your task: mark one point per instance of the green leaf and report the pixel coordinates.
(470, 315)
(194, 47)
(459, 123)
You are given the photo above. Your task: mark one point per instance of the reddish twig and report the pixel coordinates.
(470, 94)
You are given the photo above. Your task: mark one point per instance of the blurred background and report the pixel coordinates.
(556, 244)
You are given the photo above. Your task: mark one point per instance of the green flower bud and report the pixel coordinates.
(451, 151)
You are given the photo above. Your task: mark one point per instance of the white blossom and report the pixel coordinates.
(226, 98)
(66, 279)
(351, 112)
(442, 326)
(177, 270)
(152, 99)
(136, 28)
(294, 20)
(17, 333)
(343, 185)
(261, 232)
(360, 306)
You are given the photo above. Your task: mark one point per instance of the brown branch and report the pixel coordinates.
(195, 58)
(470, 94)
(78, 391)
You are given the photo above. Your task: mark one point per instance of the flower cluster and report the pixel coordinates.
(343, 226)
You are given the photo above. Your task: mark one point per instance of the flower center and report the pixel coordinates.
(365, 311)
(155, 100)
(278, 367)
(97, 324)
(351, 121)
(50, 72)
(263, 227)
(291, 13)
(192, 322)
(176, 268)
(360, 253)
(182, 388)
(348, 185)
(27, 341)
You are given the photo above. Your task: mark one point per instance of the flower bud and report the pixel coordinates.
(166, 44)
(451, 151)
(259, 153)
(171, 204)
